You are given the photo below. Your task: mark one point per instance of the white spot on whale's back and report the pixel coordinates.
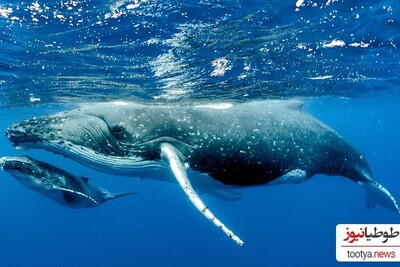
(120, 103)
(216, 106)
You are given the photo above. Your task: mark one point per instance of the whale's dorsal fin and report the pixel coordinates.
(85, 179)
(171, 155)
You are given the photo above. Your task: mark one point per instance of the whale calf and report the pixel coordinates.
(56, 184)
(252, 143)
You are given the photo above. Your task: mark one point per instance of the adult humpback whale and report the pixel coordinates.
(253, 143)
(56, 184)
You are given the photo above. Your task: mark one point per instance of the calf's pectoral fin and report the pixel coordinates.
(377, 194)
(172, 157)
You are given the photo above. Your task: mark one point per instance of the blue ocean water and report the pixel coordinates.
(341, 58)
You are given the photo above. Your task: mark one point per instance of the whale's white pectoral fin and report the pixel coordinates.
(171, 155)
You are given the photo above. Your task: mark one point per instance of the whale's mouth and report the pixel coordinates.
(20, 166)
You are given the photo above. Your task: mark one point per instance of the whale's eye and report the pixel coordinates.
(117, 129)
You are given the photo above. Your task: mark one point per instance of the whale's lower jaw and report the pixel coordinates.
(125, 166)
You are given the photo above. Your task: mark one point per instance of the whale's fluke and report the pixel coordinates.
(377, 194)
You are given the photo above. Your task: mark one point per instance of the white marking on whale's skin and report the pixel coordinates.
(81, 194)
(216, 106)
(120, 103)
(293, 177)
(170, 154)
(2, 160)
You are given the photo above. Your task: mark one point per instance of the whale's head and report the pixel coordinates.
(88, 137)
(25, 170)
(64, 131)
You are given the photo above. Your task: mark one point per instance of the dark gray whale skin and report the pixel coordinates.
(250, 143)
(247, 144)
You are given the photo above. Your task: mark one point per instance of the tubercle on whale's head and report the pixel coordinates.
(20, 135)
